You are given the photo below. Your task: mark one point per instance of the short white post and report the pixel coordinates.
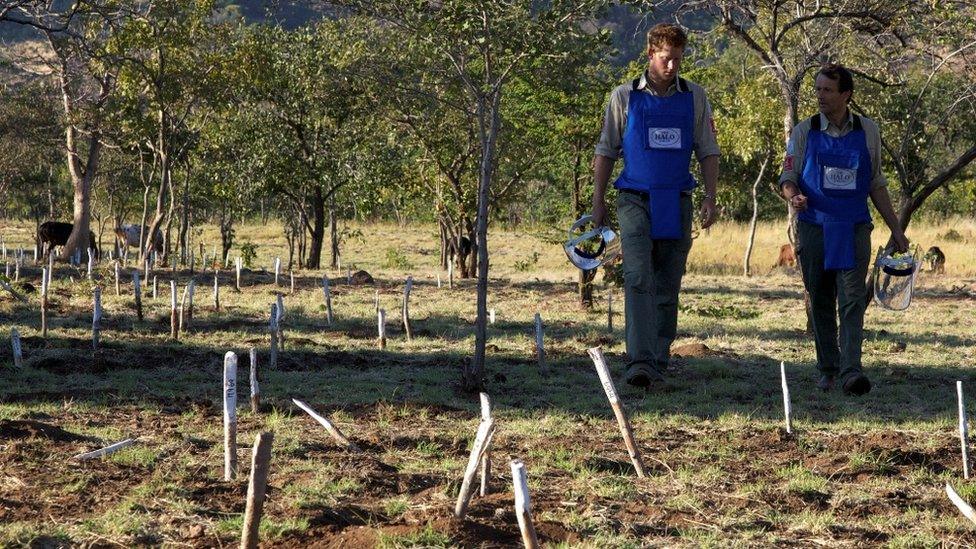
(523, 511)
(155, 287)
(292, 275)
(406, 308)
(91, 261)
(963, 431)
(481, 441)
(438, 280)
(486, 458)
(16, 271)
(277, 269)
(118, 288)
(787, 405)
(191, 287)
(328, 299)
(381, 328)
(491, 315)
(230, 415)
(138, 294)
(186, 291)
(279, 322)
(273, 330)
(255, 389)
(7, 270)
(237, 274)
(333, 431)
(256, 487)
(45, 282)
(96, 317)
(540, 351)
(173, 318)
(376, 301)
(15, 343)
(450, 273)
(216, 290)
(596, 354)
(148, 269)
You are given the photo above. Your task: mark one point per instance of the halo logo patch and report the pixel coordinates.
(664, 138)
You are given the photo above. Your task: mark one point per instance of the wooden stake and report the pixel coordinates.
(273, 330)
(216, 290)
(186, 291)
(191, 287)
(138, 294)
(292, 275)
(255, 389)
(381, 328)
(406, 308)
(491, 315)
(523, 512)
(486, 458)
(540, 351)
(596, 354)
(155, 288)
(15, 343)
(450, 273)
(256, 486)
(963, 431)
(91, 261)
(348, 276)
(111, 449)
(96, 317)
(960, 503)
(481, 440)
(237, 274)
(329, 427)
(173, 318)
(17, 270)
(376, 301)
(277, 269)
(787, 405)
(230, 415)
(45, 279)
(279, 322)
(118, 288)
(328, 299)
(438, 280)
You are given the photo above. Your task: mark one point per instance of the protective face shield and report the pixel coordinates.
(590, 249)
(894, 279)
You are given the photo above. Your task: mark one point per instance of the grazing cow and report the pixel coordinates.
(787, 258)
(935, 260)
(129, 236)
(56, 233)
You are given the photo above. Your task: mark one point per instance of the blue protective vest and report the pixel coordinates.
(657, 146)
(836, 179)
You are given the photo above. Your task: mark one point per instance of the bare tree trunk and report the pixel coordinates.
(318, 230)
(746, 271)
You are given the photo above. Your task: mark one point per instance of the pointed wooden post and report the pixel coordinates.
(230, 415)
(279, 323)
(256, 486)
(787, 405)
(482, 440)
(540, 351)
(618, 409)
(138, 294)
(237, 274)
(328, 299)
(450, 273)
(255, 389)
(523, 511)
(173, 317)
(381, 328)
(191, 287)
(292, 275)
(17, 350)
(486, 458)
(277, 270)
(963, 431)
(216, 290)
(118, 288)
(45, 281)
(406, 308)
(91, 264)
(96, 317)
(273, 330)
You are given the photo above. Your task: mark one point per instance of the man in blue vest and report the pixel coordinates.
(655, 123)
(832, 166)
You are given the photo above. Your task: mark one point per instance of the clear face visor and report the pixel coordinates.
(894, 279)
(592, 248)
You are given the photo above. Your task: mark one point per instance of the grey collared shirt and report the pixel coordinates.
(796, 149)
(615, 119)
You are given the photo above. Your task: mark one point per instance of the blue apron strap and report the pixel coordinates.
(665, 212)
(838, 245)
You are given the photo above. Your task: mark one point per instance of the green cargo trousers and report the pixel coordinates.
(652, 278)
(831, 291)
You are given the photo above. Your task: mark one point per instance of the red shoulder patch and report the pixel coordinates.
(788, 163)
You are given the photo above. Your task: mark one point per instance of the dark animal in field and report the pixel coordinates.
(787, 258)
(56, 233)
(129, 234)
(935, 259)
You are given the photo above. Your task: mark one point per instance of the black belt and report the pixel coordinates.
(644, 196)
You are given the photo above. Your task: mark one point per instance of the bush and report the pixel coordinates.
(249, 252)
(395, 259)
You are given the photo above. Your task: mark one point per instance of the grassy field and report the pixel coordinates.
(722, 471)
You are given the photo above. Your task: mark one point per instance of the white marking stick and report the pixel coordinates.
(255, 389)
(596, 354)
(216, 290)
(15, 343)
(963, 431)
(485, 459)
(329, 427)
(230, 415)
(406, 308)
(256, 486)
(523, 511)
(96, 317)
(960, 503)
(173, 318)
(237, 274)
(277, 269)
(491, 315)
(118, 288)
(111, 449)
(273, 330)
(485, 430)
(787, 405)
(381, 327)
(138, 294)
(328, 299)
(540, 351)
